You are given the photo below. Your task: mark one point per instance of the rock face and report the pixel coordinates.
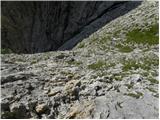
(30, 27)
(97, 79)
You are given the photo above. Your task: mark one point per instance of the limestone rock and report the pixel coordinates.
(81, 110)
(53, 93)
(41, 108)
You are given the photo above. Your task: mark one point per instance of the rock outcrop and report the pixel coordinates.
(31, 27)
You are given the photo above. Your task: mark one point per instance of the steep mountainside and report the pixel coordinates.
(31, 27)
(113, 73)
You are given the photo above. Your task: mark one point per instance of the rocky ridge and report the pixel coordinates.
(97, 79)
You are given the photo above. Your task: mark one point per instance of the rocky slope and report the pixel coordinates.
(111, 74)
(31, 27)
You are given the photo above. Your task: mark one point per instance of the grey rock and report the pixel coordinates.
(20, 82)
(12, 78)
(28, 86)
(54, 92)
(31, 105)
(102, 109)
(44, 116)
(15, 77)
(19, 110)
(41, 108)
(135, 78)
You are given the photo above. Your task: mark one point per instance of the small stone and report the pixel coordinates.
(136, 78)
(19, 82)
(70, 76)
(41, 108)
(97, 85)
(46, 91)
(101, 92)
(71, 87)
(61, 56)
(44, 116)
(29, 86)
(53, 93)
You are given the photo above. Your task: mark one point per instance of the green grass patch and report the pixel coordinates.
(100, 64)
(103, 42)
(151, 61)
(145, 64)
(81, 45)
(129, 86)
(110, 65)
(124, 49)
(118, 78)
(153, 81)
(101, 73)
(129, 65)
(151, 89)
(104, 39)
(145, 74)
(6, 51)
(147, 36)
(116, 33)
(137, 95)
(34, 62)
(97, 65)
(60, 56)
(74, 62)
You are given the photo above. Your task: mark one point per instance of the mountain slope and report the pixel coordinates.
(111, 74)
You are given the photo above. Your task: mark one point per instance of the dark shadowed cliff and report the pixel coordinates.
(30, 27)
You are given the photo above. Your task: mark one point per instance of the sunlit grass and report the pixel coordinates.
(147, 36)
